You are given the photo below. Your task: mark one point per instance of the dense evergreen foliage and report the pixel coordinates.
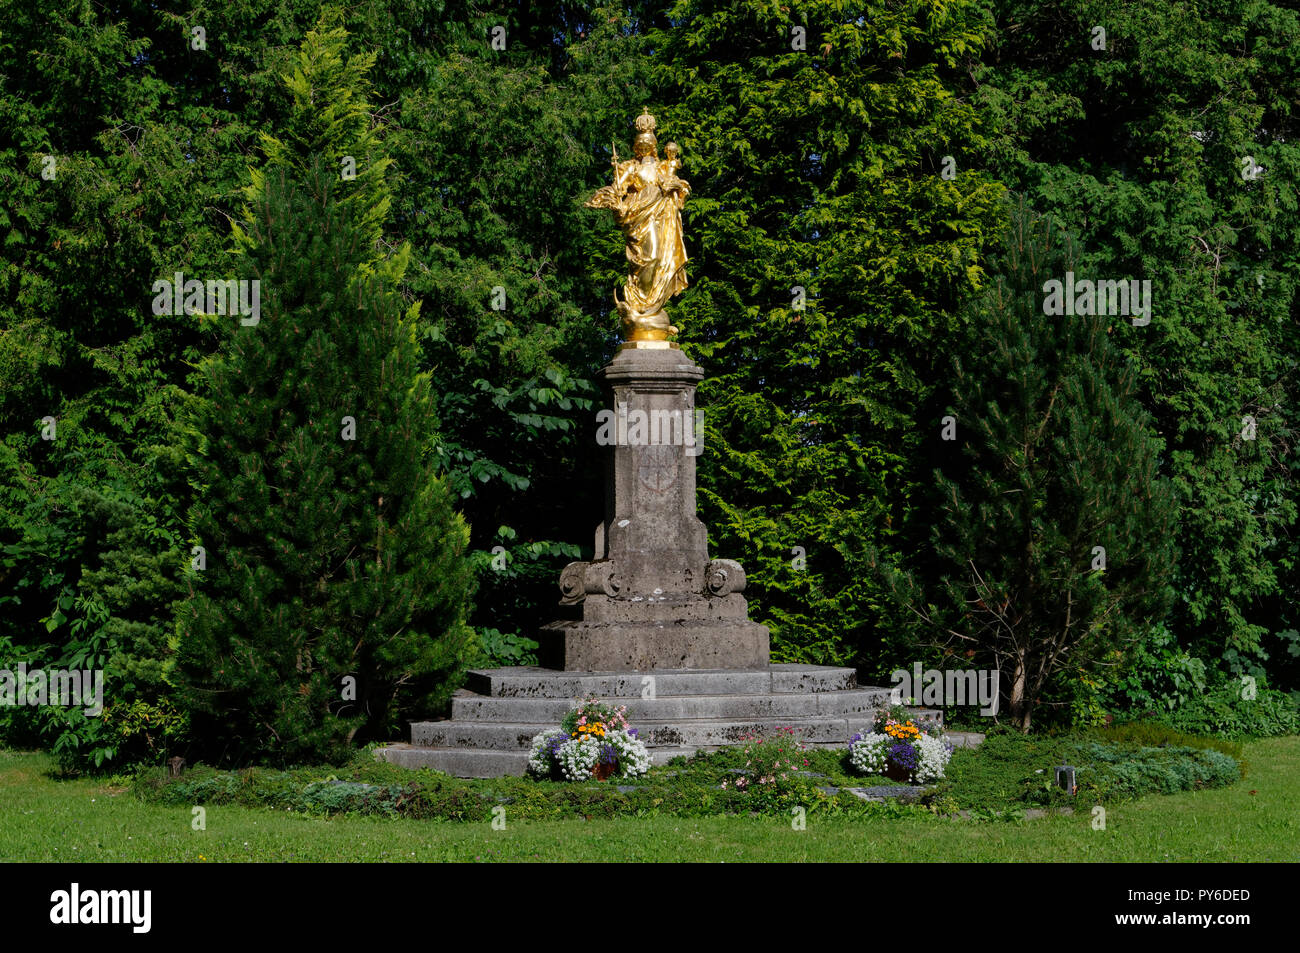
(1053, 535)
(847, 164)
(334, 593)
(1140, 150)
(829, 257)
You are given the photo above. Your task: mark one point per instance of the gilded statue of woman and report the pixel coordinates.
(646, 200)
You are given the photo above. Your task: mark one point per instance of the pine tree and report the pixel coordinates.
(1055, 459)
(1168, 198)
(336, 589)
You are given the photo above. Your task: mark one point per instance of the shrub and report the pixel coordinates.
(496, 649)
(1156, 674)
(1119, 773)
(769, 759)
(1225, 713)
(1154, 734)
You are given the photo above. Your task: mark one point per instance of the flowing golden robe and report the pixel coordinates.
(646, 200)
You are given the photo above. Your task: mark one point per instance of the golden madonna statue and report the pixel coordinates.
(646, 200)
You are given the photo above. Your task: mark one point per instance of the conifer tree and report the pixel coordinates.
(335, 590)
(828, 255)
(1052, 531)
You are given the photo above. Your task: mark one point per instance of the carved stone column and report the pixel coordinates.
(651, 598)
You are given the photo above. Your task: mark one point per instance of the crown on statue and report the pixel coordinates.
(645, 122)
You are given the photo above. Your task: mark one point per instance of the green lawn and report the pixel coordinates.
(42, 819)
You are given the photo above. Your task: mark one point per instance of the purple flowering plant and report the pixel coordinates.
(899, 748)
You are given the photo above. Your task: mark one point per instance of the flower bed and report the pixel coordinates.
(899, 750)
(593, 741)
(769, 759)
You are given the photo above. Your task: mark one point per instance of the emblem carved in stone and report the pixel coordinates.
(656, 467)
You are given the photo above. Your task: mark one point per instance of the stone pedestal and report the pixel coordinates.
(657, 625)
(652, 598)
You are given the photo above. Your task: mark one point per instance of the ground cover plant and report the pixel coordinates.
(1008, 775)
(1011, 769)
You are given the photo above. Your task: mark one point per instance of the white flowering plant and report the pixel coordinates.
(900, 750)
(594, 742)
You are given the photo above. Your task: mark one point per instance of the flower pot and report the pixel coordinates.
(603, 771)
(896, 772)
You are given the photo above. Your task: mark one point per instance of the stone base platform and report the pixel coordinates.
(736, 644)
(675, 711)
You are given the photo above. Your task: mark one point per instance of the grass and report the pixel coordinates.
(43, 819)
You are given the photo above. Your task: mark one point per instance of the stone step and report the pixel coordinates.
(863, 701)
(534, 682)
(497, 763)
(682, 732)
(483, 762)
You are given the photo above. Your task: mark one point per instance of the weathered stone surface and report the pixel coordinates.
(676, 712)
(812, 678)
(477, 762)
(585, 646)
(931, 719)
(866, 701)
(678, 733)
(650, 530)
(903, 792)
(460, 762)
(651, 598)
(661, 608)
(523, 681)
